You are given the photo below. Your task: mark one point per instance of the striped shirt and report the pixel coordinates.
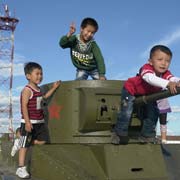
(35, 111)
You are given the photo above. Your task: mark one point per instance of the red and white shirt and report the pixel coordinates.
(147, 82)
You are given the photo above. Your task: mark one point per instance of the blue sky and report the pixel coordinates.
(127, 30)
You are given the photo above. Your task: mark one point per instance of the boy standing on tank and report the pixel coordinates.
(33, 129)
(85, 53)
(153, 77)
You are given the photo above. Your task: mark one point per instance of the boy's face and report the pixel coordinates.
(160, 61)
(87, 33)
(35, 76)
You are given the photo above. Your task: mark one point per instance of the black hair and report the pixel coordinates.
(89, 21)
(30, 66)
(162, 48)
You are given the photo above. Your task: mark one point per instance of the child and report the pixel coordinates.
(154, 76)
(164, 108)
(85, 53)
(16, 145)
(33, 129)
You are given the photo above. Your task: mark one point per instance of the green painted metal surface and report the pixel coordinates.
(99, 162)
(84, 111)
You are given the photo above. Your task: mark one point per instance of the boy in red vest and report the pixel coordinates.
(33, 129)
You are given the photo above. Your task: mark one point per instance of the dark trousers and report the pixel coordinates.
(149, 119)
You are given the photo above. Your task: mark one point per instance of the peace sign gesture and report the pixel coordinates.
(72, 29)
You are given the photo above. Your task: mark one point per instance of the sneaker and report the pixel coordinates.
(115, 139)
(22, 172)
(15, 147)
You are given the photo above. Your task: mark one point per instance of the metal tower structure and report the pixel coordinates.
(7, 28)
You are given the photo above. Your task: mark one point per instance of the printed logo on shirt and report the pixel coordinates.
(38, 102)
(82, 58)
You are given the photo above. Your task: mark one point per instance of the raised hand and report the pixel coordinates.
(72, 29)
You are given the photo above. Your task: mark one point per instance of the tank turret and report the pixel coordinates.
(85, 111)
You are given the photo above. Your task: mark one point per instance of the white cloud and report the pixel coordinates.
(124, 75)
(170, 132)
(4, 103)
(18, 58)
(110, 63)
(3, 120)
(19, 61)
(172, 117)
(4, 96)
(6, 67)
(18, 65)
(18, 69)
(18, 89)
(167, 40)
(175, 109)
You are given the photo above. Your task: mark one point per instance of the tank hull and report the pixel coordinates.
(99, 162)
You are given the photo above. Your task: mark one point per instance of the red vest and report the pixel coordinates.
(34, 105)
(137, 86)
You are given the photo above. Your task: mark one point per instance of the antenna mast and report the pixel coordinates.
(7, 28)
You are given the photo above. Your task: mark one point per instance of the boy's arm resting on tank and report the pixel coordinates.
(55, 85)
(160, 82)
(172, 86)
(175, 79)
(67, 42)
(154, 80)
(100, 60)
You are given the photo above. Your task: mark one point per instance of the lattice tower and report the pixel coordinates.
(7, 28)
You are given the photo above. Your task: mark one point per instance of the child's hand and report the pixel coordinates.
(102, 78)
(178, 84)
(172, 87)
(28, 126)
(72, 29)
(56, 84)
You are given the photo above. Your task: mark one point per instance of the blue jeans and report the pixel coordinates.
(83, 74)
(149, 118)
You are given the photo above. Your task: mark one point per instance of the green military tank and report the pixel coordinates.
(80, 116)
